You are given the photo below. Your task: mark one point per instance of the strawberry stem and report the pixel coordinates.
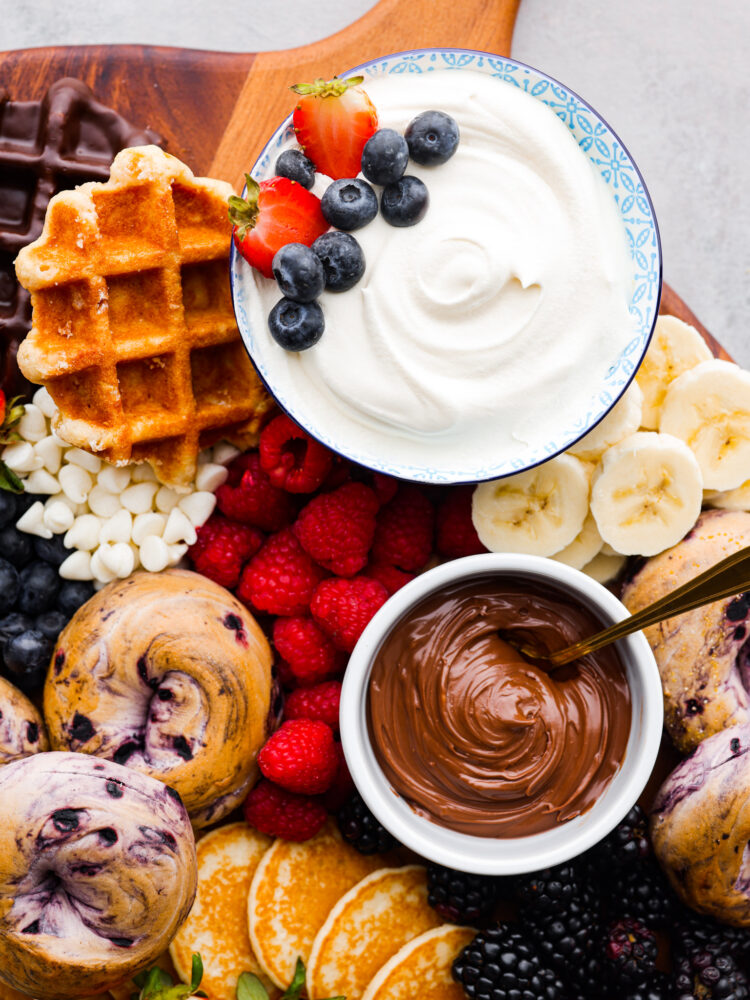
(243, 212)
(326, 88)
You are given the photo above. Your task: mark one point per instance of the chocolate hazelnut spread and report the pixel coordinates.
(476, 738)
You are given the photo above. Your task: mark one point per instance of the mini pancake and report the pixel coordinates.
(216, 927)
(366, 928)
(292, 893)
(425, 961)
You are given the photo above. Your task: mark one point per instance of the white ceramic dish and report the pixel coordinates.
(516, 855)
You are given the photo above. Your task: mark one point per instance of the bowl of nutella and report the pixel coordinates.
(503, 326)
(477, 758)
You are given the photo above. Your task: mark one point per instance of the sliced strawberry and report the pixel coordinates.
(274, 213)
(333, 120)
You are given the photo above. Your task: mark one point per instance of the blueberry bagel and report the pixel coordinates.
(97, 872)
(21, 727)
(700, 827)
(169, 674)
(704, 655)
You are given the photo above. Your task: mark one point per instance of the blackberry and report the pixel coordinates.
(501, 964)
(359, 827)
(460, 898)
(547, 892)
(643, 893)
(693, 933)
(628, 955)
(707, 974)
(655, 988)
(628, 842)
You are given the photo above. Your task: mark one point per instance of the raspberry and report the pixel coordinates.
(222, 548)
(294, 461)
(248, 496)
(385, 487)
(456, 535)
(307, 651)
(337, 528)
(393, 579)
(279, 813)
(342, 788)
(403, 536)
(301, 757)
(281, 577)
(341, 472)
(343, 608)
(320, 703)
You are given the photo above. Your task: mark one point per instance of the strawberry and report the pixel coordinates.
(333, 120)
(274, 213)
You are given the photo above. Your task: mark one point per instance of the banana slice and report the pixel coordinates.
(622, 420)
(604, 568)
(646, 493)
(736, 499)
(584, 546)
(538, 512)
(709, 409)
(675, 348)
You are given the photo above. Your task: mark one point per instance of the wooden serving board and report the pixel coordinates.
(217, 109)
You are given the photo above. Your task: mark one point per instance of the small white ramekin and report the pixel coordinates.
(511, 855)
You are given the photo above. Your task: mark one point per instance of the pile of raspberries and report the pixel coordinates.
(313, 545)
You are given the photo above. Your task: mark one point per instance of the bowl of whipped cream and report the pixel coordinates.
(507, 323)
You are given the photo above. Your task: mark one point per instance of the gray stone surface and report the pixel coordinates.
(669, 75)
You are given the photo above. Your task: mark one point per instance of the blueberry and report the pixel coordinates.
(40, 584)
(295, 326)
(293, 163)
(405, 202)
(349, 204)
(50, 623)
(13, 624)
(16, 546)
(8, 507)
(432, 138)
(385, 156)
(298, 272)
(25, 500)
(8, 586)
(74, 593)
(51, 550)
(27, 657)
(343, 260)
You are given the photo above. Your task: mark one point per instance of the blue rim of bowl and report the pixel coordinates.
(431, 480)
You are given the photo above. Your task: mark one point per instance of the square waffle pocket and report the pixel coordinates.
(133, 331)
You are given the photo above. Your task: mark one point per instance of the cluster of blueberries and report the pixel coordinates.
(335, 261)
(35, 602)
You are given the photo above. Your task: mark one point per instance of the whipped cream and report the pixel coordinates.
(483, 332)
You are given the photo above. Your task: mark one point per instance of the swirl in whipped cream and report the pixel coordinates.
(478, 739)
(489, 327)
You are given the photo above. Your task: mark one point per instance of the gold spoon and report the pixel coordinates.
(728, 577)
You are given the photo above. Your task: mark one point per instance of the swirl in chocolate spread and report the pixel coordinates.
(481, 741)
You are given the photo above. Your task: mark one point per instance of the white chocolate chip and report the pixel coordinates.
(147, 524)
(112, 479)
(21, 457)
(210, 476)
(118, 528)
(40, 481)
(99, 571)
(84, 534)
(139, 497)
(118, 558)
(143, 473)
(77, 566)
(58, 517)
(75, 482)
(224, 452)
(198, 507)
(166, 499)
(154, 554)
(176, 552)
(61, 498)
(179, 528)
(102, 502)
(50, 452)
(31, 521)
(77, 456)
(45, 402)
(32, 426)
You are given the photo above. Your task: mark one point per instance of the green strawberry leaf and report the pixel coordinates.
(196, 973)
(9, 480)
(249, 987)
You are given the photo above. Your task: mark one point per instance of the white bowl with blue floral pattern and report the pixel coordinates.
(624, 182)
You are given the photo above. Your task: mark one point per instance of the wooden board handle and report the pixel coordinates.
(391, 25)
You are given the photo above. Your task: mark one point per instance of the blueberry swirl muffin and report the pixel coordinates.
(97, 872)
(21, 728)
(168, 674)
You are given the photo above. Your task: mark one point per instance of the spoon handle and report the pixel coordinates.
(728, 577)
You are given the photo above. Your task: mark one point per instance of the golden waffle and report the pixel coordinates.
(367, 926)
(133, 331)
(425, 960)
